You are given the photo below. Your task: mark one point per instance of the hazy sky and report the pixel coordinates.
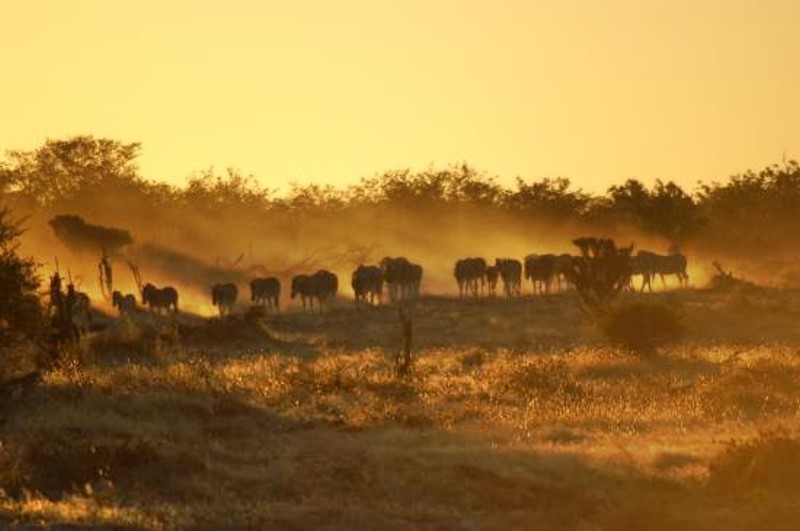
(329, 91)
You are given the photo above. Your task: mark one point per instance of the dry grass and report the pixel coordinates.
(517, 416)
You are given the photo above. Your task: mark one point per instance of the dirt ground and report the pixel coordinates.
(517, 415)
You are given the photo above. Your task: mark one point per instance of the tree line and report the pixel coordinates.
(754, 210)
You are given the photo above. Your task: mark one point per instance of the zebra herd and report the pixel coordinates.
(322, 286)
(402, 277)
(474, 277)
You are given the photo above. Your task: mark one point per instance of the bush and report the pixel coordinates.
(20, 310)
(768, 463)
(642, 327)
(22, 319)
(600, 273)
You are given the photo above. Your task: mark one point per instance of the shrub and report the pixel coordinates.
(21, 315)
(600, 273)
(20, 309)
(768, 463)
(642, 327)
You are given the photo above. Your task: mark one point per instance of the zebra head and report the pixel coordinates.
(147, 293)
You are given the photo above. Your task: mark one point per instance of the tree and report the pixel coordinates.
(20, 308)
(754, 211)
(463, 184)
(666, 210)
(456, 184)
(550, 198)
(62, 168)
(234, 190)
(672, 213)
(629, 202)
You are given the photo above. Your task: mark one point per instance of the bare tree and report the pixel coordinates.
(402, 363)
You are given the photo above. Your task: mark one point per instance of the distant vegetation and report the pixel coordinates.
(753, 209)
(439, 214)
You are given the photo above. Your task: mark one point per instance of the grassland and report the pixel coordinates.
(517, 415)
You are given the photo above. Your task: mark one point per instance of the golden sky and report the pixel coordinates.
(330, 91)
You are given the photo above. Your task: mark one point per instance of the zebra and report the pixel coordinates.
(78, 309)
(160, 298)
(563, 267)
(415, 279)
(322, 286)
(541, 269)
(224, 296)
(402, 276)
(650, 264)
(326, 285)
(470, 275)
(266, 291)
(639, 265)
(492, 274)
(460, 273)
(396, 273)
(367, 283)
(125, 304)
(511, 273)
(301, 285)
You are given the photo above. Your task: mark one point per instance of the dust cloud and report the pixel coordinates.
(193, 247)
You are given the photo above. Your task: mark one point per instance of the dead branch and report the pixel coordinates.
(405, 312)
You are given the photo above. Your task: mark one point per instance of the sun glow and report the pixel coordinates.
(330, 92)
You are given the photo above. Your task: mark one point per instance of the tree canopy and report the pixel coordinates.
(84, 172)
